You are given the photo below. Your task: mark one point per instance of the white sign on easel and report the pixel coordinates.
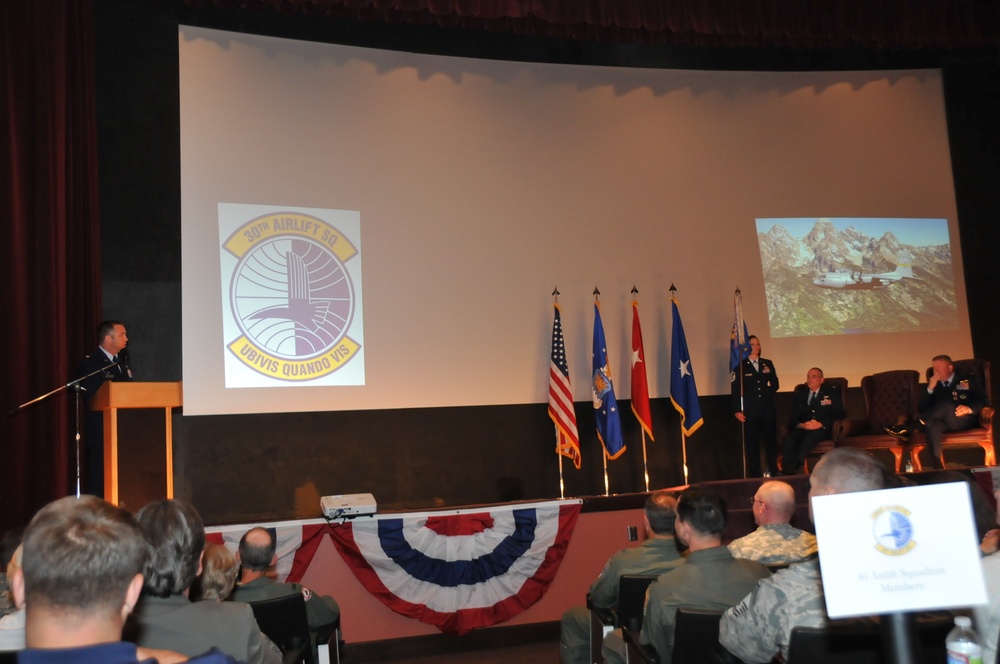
(898, 550)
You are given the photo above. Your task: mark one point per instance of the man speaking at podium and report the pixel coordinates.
(110, 362)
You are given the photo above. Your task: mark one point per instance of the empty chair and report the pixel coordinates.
(891, 398)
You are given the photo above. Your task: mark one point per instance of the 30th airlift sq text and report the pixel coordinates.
(289, 224)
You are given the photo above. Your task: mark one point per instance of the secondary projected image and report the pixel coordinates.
(291, 289)
(857, 275)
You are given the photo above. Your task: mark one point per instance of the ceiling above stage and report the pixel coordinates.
(868, 24)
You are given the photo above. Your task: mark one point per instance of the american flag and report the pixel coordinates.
(561, 396)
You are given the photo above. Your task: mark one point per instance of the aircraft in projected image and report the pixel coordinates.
(856, 280)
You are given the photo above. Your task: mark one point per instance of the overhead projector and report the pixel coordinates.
(348, 506)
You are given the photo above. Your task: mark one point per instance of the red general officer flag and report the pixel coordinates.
(640, 388)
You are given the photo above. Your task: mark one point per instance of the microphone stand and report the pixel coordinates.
(77, 389)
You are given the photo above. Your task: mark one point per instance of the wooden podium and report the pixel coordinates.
(113, 396)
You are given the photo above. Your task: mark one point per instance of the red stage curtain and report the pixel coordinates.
(51, 245)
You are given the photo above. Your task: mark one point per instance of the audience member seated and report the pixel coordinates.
(257, 554)
(165, 617)
(219, 569)
(710, 579)
(81, 576)
(8, 544)
(12, 624)
(656, 555)
(760, 627)
(776, 541)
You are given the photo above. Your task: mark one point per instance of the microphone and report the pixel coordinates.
(123, 362)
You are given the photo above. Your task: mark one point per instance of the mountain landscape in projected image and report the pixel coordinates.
(855, 279)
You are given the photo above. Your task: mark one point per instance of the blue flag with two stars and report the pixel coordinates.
(683, 391)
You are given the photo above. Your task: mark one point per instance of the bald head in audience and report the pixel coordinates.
(774, 502)
(660, 513)
(257, 553)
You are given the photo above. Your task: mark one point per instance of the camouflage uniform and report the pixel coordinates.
(988, 616)
(654, 556)
(775, 544)
(761, 625)
(711, 579)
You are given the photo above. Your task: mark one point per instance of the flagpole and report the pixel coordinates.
(561, 409)
(680, 424)
(562, 486)
(739, 367)
(645, 468)
(562, 493)
(684, 452)
(604, 449)
(683, 390)
(607, 486)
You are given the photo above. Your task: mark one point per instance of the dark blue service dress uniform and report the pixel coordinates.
(825, 407)
(937, 409)
(757, 386)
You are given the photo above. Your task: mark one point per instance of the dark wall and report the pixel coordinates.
(275, 466)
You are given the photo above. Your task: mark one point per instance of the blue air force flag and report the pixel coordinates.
(683, 391)
(609, 426)
(739, 345)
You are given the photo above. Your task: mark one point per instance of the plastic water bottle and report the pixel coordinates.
(963, 644)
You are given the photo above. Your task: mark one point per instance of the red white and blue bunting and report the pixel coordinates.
(464, 569)
(296, 544)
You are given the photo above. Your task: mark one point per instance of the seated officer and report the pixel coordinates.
(815, 408)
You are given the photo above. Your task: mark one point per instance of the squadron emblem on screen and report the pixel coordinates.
(291, 296)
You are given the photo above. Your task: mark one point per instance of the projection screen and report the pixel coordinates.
(465, 191)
